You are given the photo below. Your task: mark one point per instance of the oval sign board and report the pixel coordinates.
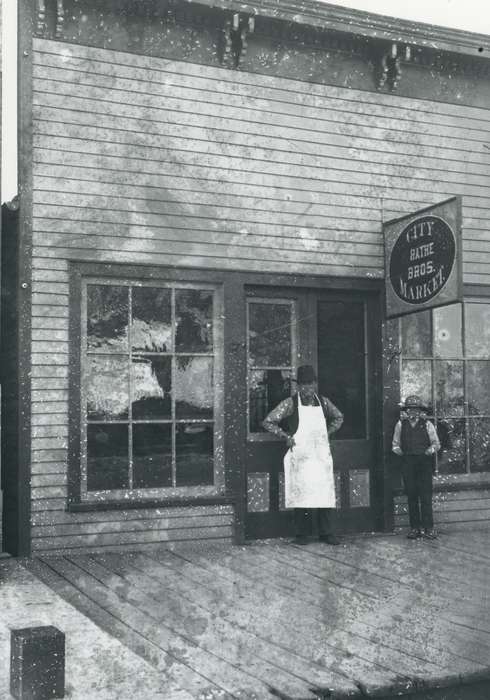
(422, 259)
(423, 267)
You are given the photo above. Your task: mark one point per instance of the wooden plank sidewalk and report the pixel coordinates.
(377, 615)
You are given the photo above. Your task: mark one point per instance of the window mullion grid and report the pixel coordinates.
(172, 384)
(130, 388)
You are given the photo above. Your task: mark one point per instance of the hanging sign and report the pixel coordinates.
(423, 266)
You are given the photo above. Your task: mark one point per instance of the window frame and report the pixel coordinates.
(467, 477)
(83, 275)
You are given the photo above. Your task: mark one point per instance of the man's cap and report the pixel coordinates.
(413, 401)
(305, 374)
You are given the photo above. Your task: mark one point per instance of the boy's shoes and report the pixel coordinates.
(414, 534)
(330, 539)
(300, 539)
(430, 534)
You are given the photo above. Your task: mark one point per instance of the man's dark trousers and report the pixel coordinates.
(303, 521)
(417, 478)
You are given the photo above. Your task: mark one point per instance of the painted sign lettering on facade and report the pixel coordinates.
(423, 259)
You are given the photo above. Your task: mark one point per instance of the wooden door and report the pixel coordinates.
(338, 333)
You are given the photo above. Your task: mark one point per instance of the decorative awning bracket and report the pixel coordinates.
(236, 29)
(390, 67)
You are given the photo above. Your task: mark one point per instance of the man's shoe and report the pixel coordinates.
(300, 539)
(330, 539)
(430, 534)
(414, 534)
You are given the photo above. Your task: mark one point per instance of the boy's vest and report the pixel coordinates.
(291, 422)
(414, 441)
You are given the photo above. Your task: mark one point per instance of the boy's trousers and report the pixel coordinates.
(417, 479)
(303, 521)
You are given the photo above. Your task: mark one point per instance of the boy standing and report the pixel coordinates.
(415, 441)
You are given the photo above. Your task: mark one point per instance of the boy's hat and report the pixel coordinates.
(306, 374)
(413, 401)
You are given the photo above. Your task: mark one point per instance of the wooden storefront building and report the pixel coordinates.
(203, 187)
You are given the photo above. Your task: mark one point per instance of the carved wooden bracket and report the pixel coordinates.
(391, 70)
(41, 16)
(60, 17)
(42, 25)
(236, 30)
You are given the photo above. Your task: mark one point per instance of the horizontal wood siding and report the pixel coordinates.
(452, 510)
(139, 159)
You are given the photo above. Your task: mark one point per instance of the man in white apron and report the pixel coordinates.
(305, 421)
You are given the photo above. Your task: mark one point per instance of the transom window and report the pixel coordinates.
(151, 389)
(446, 360)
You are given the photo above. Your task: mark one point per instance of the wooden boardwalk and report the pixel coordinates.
(377, 615)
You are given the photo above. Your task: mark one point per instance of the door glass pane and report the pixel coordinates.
(478, 383)
(152, 455)
(417, 334)
(452, 434)
(269, 334)
(341, 363)
(449, 388)
(194, 390)
(152, 320)
(107, 317)
(194, 320)
(194, 454)
(107, 457)
(416, 378)
(151, 387)
(107, 387)
(480, 444)
(447, 331)
(267, 388)
(477, 325)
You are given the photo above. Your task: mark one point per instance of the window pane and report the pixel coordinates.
(269, 333)
(194, 320)
(267, 387)
(480, 444)
(107, 317)
(194, 393)
(452, 457)
(151, 387)
(477, 322)
(447, 331)
(449, 388)
(107, 383)
(194, 454)
(107, 457)
(416, 334)
(341, 363)
(478, 383)
(152, 455)
(416, 378)
(152, 319)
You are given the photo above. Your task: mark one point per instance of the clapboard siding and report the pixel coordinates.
(150, 161)
(452, 509)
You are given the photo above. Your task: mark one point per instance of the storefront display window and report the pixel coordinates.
(151, 390)
(446, 360)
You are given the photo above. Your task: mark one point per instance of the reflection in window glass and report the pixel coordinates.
(107, 317)
(478, 383)
(447, 331)
(107, 457)
(267, 387)
(194, 451)
(452, 457)
(449, 388)
(151, 328)
(194, 320)
(417, 334)
(477, 322)
(194, 387)
(480, 444)
(107, 387)
(151, 387)
(416, 378)
(152, 455)
(269, 334)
